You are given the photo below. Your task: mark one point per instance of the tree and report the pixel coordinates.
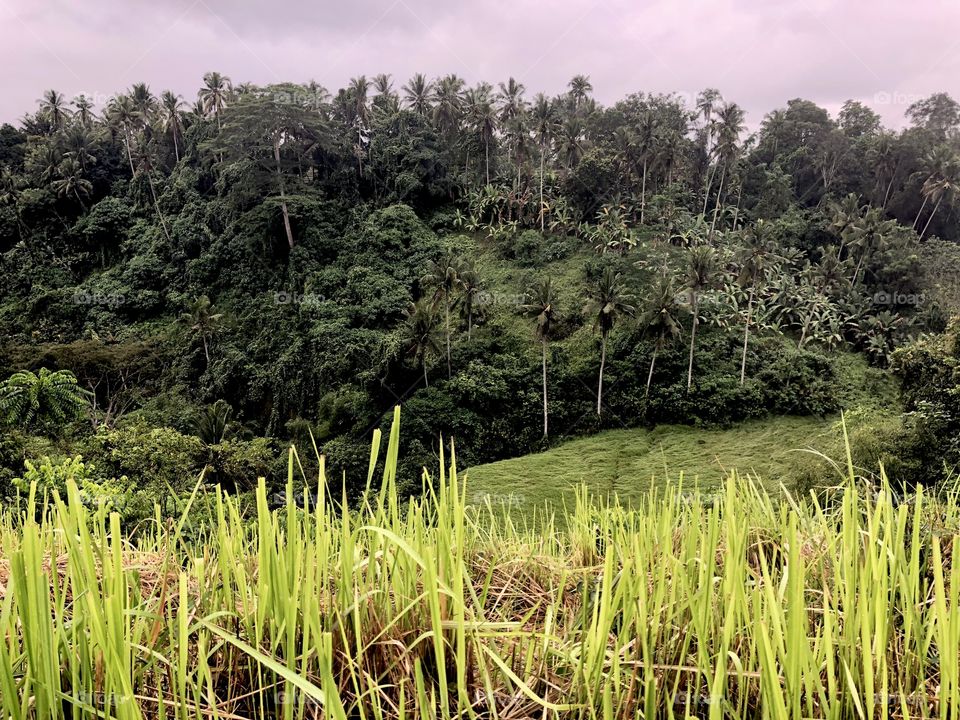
(214, 93)
(482, 115)
(84, 110)
(122, 116)
(731, 125)
(545, 126)
(172, 118)
(542, 306)
(610, 301)
(754, 257)
(72, 182)
(53, 108)
(470, 283)
(660, 317)
(417, 94)
(701, 268)
(420, 334)
(444, 277)
(203, 319)
(212, 424)
(274, 134)
(580, 89)
(45, 399)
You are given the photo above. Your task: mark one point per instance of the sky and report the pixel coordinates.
(758, 53)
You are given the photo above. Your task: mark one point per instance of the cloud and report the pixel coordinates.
(758, 54)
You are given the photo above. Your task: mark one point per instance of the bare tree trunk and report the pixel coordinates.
(653, 361)
(930, 219)
(486, 153)
(716, 208)
(706, 192)
(543, 152)
(643, 192)
(545, 387)
(693, 336)
(426, 382)
(176, 146)
(603, 362)
(283, 194)
(206, 348)
(156, 205)
(126, 143)
(447, 312)
(746, 336)
(920, 212)
(736, 211)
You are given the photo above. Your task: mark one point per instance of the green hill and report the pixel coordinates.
(628, 461)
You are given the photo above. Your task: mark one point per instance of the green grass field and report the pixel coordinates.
(626, 462)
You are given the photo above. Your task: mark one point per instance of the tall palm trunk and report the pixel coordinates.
(643, 192)
(693, 335)
(543, 153)
(544, 387)
(930, 219)
(746, 336)
(486, 153)
(736, 210)
(176, 145)
(706, 192)
(716, 208)
(126, 144)
(920, 212)
(603, 362)
(653, 361)
(446, 307)
(426, 382)
(206, 349)
(156, 206)
(283, 194)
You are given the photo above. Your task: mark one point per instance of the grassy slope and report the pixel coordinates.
(627, 461)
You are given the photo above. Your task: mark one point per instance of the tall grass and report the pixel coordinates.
(689, 606)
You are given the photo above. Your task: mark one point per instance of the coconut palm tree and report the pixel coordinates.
(945, 183)
(580, 89)
(471, 286)
(443, 276)
(542, 306)
(84, 110)
(645, 146)
(145, 165)
(610, 301)
(172, 118)
(144, 102)
(730, 126)
(482, 115)
(660, 317)
(122, 116)
(448, 105)
(701, 269)
(754, 258)
(203, 319)
(78, 143)
(212, 425)
(417, 94)
(214, 94)
(72, 182)
(44, 399)
(53, 108)
(545, 127)
(421, 328)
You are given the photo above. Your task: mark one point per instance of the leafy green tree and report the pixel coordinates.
(172, 119)
(214, 94)
(213, 424)
(542, 306)
(46, 399)
(417, 94)
(72, 182)
(755, 257)
(609, 302)
(53, 107)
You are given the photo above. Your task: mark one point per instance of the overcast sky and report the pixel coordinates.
(759, 53)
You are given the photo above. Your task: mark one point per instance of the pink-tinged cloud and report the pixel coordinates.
(886, 53)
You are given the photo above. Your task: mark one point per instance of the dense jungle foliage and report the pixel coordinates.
(195, 286)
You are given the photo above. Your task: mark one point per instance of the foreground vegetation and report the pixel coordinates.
(733, 604)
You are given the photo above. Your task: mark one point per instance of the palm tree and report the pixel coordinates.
(701, 267)
(645, 142)
(53, 107)
(541, 305)
(71, 181)
(444, 277)
(122, 116)
(145, 165)
(945, 184)
(417, 94)
(172, 118)
(470, 284)
(753, 267)
(144, 101)
(580, 89)
(609, 303)
(214, 93)
(728, 136)
(447, 105)
(84, 113)
(570, 145)
(212, 425)
(660, 318)
(357, 93)
(77, 143)
(482, 115)
(544, 117)
(202, 319)
(420, 334)
(45, 398)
